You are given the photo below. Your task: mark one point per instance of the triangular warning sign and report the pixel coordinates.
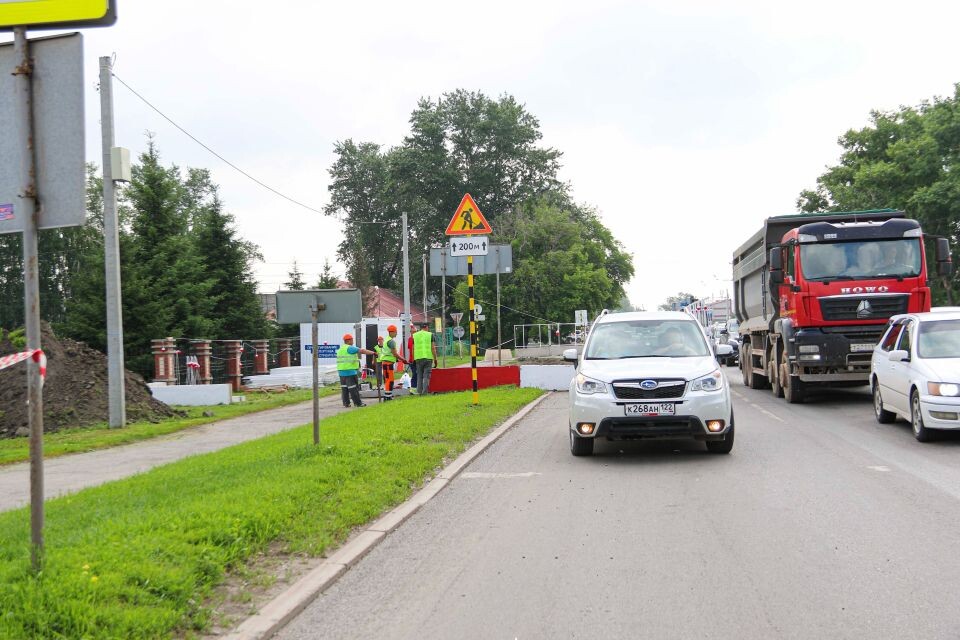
(468, 221)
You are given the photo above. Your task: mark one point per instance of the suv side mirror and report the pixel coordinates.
(571, 355)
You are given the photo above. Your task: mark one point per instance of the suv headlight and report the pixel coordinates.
(710, 382)
(943, 389)
(588, 386)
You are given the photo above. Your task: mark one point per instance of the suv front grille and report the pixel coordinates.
(866, 307)
(630, 389)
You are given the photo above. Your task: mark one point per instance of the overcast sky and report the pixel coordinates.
(684, 123)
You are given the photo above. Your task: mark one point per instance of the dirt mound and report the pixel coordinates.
(75, 393)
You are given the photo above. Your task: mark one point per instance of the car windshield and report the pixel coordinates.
(646, 338)
(866, 259)
(939, 339)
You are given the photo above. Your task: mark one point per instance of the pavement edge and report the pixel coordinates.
(278, 612)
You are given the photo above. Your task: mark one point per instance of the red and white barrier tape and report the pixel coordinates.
(37, 355)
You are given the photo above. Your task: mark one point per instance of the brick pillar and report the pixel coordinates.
(261, 359)
(234, 369)
(164, 356)
(283, 346)
(203, 350)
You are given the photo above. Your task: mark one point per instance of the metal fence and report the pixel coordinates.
(550, 338)
(185, 349)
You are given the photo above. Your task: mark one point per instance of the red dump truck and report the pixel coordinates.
(813, 292)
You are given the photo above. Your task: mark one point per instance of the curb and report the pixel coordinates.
(274, 615)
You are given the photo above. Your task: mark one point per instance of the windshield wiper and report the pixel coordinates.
(650, 355)
(829, 279)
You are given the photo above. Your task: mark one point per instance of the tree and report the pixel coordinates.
(296, 281)
(906, 159)
(328, 279)
(673, 303)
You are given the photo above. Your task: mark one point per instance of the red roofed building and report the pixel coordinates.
(383, 303)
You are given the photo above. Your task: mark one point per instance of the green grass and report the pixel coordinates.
(101, 436)
(137, 558)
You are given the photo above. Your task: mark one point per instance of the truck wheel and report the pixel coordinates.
(776, 380)
(883, 416)
(580, 446)
(757, 380)
(794, 391)
(745, 371)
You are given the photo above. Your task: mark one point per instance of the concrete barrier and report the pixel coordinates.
(552, 377)
(490, 355)
(193, 395)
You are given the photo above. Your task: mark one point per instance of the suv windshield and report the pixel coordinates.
(939, 339)
(646, 338)
(865, 259)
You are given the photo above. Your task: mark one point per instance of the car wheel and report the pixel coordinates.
(721, 446)
(920, 432)
(883, 416)
(580, 446)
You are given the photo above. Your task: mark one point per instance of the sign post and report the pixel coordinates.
(469, 221)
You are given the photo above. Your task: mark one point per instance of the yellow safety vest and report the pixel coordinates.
(422, 340)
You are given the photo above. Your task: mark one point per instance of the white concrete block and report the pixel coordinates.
(193, 395)
(552, 377)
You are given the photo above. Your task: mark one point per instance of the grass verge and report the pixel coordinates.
(101, 436)
(137, 557)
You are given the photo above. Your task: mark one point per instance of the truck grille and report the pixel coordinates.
(630, 389)
(866, 307)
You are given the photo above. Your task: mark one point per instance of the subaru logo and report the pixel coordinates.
(648, 385)
(864, 310)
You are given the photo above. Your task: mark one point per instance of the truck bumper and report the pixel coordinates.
(839, 356)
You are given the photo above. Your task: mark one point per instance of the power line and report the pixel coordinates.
(191, 136)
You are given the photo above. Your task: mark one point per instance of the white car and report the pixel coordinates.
(915, 372)
(649, 375)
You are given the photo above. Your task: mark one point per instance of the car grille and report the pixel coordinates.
(863, 307)
(630, 389)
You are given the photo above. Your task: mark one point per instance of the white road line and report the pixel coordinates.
(879, 467)
(484, 474)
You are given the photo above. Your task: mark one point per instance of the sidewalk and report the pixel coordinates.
(71, 473)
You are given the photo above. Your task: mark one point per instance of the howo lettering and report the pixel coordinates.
(813, 292)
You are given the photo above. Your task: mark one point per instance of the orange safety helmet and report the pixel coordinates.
(392, 327)
(347, 336)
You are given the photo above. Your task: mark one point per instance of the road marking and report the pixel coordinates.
(879, 467)
(484, 474)
(758, 407)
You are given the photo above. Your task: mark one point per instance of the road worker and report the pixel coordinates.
(425, 356)
(388, 359)
(348, 368)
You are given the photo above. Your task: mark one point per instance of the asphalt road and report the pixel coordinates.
(820, 524)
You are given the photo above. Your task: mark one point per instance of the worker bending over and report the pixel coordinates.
(389, 355)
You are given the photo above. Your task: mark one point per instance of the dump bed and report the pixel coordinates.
(752, 303)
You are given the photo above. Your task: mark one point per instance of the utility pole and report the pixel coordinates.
(424, 287)
(23, 130)
(111, 252)
(406, 289)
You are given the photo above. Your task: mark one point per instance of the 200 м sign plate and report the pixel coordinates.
(469, 246)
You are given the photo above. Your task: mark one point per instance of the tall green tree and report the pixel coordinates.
(906, 159)
(296, 281)
(328, 279)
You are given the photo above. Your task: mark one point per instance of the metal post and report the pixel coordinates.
(314, 337)
(499, 337)
(406, 291)
(424, 287)
(111, 256)
(23, 122)
(473, 332)
(443, 304)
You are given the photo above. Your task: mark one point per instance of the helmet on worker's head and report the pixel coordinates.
(348, 337)
(392, 328)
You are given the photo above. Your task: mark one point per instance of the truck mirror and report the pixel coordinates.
(944, 263)
(776, 265)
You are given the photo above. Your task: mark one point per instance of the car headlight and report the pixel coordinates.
(587, 385)
(943, 389)
(710, 382)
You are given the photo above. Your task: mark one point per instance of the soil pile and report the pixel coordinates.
(75, 393)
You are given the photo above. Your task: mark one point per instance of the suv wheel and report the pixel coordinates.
(721, 446)
(580, 446)
(920, 432)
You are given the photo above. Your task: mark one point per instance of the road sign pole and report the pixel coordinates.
(443, 308)
(315, 363)
(473, 332)
(406, 292)
(111, 254)
(499, 337)
(27, 205)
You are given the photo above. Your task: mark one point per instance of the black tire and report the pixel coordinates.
(722, 446)
(883, 416)
(776, 386)
(580, 446)
(746, 372)
(920, 432)
(758, 381)
(794, 391)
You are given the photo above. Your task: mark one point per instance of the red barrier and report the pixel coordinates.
(459, 379)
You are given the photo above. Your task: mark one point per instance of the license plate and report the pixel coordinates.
(651, 409)
(859, 347)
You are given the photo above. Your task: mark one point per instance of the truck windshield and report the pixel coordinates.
(646, 339)
(861, 259)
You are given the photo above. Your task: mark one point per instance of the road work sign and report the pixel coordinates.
(470, 246)
(56, 14)
(468, 221)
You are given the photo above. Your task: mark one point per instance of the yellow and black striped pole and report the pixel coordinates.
(473, 332)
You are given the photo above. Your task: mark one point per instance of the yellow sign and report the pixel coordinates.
(56, 14)
(468, 220)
